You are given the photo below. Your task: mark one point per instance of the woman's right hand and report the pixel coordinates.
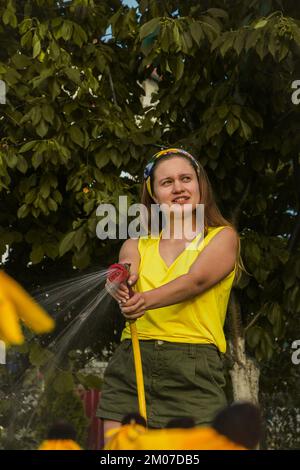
(121, 292)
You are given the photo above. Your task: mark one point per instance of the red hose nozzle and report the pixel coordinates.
(118, 273)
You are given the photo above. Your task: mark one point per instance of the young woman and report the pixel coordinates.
(181, 294)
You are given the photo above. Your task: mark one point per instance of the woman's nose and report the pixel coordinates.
(177, 186)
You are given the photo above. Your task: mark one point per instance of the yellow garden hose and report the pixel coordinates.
(120, 273)
(138, 369)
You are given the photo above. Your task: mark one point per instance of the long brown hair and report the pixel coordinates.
(212, 214)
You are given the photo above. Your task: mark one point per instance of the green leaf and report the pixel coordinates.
(272, 46)
(57, 196)
(80, 239)
(36, 254)
(251, 39)
(63, 382)
(21, 61)
(22, 164)
(89, 206)
(115, 157)
(55, 89)
(218, 13)
(23, 211)
(39, 79)
(90, 381)
(10, 18)
(214, 128)
(196, 32)
(260, 24)
(42, 205)
(39, 356)
(261, 48)
(76, 135)
(266, 346)
(150, 27)
(179, 68)
(101, 159)
(52, 204)
(48, 113)
(274, 314)
(66, 30)
(27, 146)
(283, 52)
(223, 111)
(79, 35)
(67, 243)
(82, 258)
(36, 114)
(37, 159)
(25, 25)
(73, 74)
(54, 50)
(51, 250)
(232, 124)
(26, 40)
(239, 42)
(45, 190)
(30, 196)
(42, 128)
(247, 131)
(227, 43)
(36, 46)
(253, 336)
(11, 160)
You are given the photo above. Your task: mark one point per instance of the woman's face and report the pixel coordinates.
(176, 182)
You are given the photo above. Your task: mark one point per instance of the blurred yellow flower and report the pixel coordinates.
(124, 437)
(133, 437)
(16, 305)
(59, 444)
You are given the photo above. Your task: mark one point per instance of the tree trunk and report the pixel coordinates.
(244, 374)
(245, 371)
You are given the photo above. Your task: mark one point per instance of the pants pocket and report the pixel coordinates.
(214, 368)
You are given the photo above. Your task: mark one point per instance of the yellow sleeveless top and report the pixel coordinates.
(198, 320)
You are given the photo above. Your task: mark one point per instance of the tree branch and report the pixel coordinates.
(251, 323)
(237, 210)
(112, 88)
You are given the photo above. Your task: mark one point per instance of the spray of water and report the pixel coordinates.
(87, 289)
(77, 302)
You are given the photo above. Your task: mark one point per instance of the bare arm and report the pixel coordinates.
(129, 254)
(212, 265)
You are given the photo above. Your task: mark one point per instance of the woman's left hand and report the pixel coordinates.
(134, 307)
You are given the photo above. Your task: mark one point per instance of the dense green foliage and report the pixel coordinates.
(73, 121)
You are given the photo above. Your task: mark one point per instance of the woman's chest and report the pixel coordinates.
(170, 251)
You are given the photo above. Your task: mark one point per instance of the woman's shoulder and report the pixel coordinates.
(135, 243)
(225, 231)
(227, 228)
(131, 243)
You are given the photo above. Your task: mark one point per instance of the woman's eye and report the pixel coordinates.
(166, 182)
(186, 178)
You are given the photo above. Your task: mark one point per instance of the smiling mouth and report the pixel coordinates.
(180, 199)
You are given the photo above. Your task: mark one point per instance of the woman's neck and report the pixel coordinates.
(177, 228)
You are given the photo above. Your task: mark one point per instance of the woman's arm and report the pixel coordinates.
(129, 254)
(214, 263)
